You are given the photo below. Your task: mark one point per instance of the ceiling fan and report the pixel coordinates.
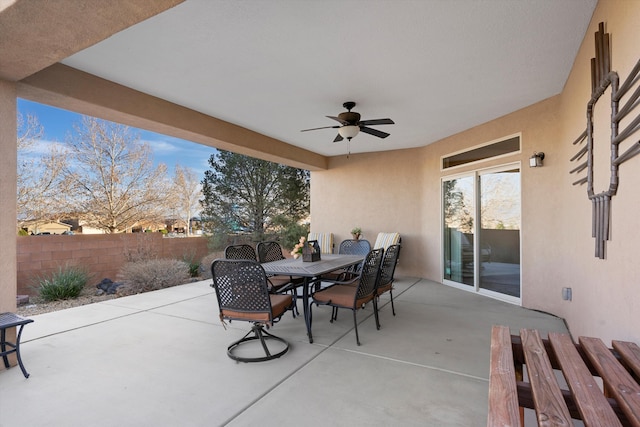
(350, 124)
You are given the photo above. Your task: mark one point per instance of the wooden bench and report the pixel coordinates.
(509, 394)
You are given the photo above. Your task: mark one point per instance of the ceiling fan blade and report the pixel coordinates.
(324, 127)
(374, 132)
(377, 122)
(338, 138)
(338, 119)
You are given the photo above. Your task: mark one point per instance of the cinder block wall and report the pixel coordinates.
(102, 254)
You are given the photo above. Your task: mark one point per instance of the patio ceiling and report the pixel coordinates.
(435, 67)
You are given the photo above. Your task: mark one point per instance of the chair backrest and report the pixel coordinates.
(354, 247)
(241, 289)
(240, 252)
(269, 251)
(384, 240)
(389, 264)
(370, 273)
(325, 240)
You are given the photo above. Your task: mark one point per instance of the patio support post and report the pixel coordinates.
(8, 189)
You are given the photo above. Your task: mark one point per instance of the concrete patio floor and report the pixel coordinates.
(159, 359)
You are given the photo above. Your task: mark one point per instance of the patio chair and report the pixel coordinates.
(325, 240)
(353, 297)
(384, 240)
(354, 247)
(387, 270)
(349, 247)
(272, 251)
(240, 252)
(243, 294)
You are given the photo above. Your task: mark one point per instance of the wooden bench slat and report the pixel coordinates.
(617, 380)
(593, 406)
(550, 406)
(630, 353)
(503, 397)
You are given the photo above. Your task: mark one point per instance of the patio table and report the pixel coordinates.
(311, 272)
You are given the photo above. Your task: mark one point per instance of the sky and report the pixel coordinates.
(58, 124)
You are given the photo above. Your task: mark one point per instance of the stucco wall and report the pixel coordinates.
(377, 192)
(605, 292)
(400, 191)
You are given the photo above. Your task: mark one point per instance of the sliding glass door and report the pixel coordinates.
(481, 231)
(458, 202)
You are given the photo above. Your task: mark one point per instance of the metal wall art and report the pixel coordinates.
(623, 109)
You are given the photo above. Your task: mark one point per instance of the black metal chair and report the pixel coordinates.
(272, 251)
(349, 247)
(243, 294)
(354, 247)
(240, 252)
(353, 297)
(387, 271)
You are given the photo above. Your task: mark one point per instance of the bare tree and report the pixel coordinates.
(186, 194)
(112, 176)
(39, 174)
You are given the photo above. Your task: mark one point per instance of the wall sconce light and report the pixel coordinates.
(535, 161)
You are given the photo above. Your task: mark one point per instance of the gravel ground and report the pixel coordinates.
(89, 295)
(35, 306)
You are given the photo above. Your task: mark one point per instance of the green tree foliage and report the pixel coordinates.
(244, 194)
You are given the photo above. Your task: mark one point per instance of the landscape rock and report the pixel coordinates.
(108, 286)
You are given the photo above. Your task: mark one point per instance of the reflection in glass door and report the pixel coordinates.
(459, 214)
(499, 232)
(481, 231)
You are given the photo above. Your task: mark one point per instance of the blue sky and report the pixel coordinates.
(58, 124)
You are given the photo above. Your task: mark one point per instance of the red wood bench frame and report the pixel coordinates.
(619, 369)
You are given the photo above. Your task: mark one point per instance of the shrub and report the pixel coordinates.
(291, 234)
(205, 269)
(152, 274)
(66, 283)
(194, 266)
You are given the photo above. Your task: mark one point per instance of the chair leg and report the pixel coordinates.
(393, 309)
(355, 324)
(375, 312)
(334, 314)
(263, 336)
(294, 302)
(258, 331)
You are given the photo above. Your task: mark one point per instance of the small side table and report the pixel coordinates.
(10, 320)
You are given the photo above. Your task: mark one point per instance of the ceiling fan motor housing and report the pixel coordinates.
(350, 117)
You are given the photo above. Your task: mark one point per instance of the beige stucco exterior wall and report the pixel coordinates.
(400, 191)
(606, 292)
(8, 165)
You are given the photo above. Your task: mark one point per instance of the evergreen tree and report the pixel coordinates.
(244, 194)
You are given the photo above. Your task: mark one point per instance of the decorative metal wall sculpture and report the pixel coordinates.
(601, 79)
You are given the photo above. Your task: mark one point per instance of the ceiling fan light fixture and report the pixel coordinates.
(349, 131)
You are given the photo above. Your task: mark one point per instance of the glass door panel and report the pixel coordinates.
(498, 249)
(459, 214)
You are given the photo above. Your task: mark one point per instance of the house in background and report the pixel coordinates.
(51, 227)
